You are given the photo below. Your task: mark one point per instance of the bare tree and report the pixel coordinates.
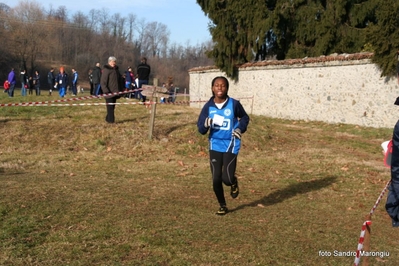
(93, 17)
(26, 31)
(156, 38)
(131, 19)
(36, 36)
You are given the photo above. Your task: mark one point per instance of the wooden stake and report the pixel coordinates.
(366, 242)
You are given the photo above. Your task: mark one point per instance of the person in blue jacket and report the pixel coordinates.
(12, 80)
(226, 120)
(75, 78)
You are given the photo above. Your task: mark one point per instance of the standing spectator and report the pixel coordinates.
(97, 80)
(36, 82)
(111, 83)
(24, 82)
(11, 79)
(171, 98)
(143, 73)
(61, 82)
(31, 85)
(129, 81)
(90, 75)
(226, 120)
(75, 77)
(51, 80)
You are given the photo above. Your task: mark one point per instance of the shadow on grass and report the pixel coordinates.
(6, 120)
(128, 120)
(289, 192)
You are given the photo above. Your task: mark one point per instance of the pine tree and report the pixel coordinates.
(235, 29)
(288, 28)
(383, 35)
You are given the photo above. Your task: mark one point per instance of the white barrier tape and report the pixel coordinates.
(65, 100)
(54, 103)
(368, 223)
(380, 197)
(360, 244)
(85, 104)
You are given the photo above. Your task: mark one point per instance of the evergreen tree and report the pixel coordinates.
(383, 36)
(236, 27)
(293, 28)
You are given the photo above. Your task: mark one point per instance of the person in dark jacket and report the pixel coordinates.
(129, 81)
(143, 73)
(90, 75)
(226, 120)
(24, 82)
(36, 82)
(392, 203)
(111, 84)
(51, 80)
(96, 75)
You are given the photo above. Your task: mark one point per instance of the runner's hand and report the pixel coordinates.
(208, 122)
(237, 133)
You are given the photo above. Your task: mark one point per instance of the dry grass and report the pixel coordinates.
(76, 191)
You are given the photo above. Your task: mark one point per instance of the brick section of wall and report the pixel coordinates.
(345, 89)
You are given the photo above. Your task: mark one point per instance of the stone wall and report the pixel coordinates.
(335, 89)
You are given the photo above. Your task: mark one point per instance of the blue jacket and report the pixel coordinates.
(221, 137)
(11, 77)
(75, 78)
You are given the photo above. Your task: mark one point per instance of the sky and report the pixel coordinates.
(184, 18)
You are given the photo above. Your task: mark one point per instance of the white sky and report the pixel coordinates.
(184, 18)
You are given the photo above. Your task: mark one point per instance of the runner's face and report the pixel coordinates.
(220, 88)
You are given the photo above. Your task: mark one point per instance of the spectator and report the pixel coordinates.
(36, 83)
(61, 82)
(51, 80)
(31, 85)
(75, 78)
(129, 81)
(11, 79)
(97, 79)
(91, 81)
(143, 73)
(111, 83)
(24, 82)
(171, 98)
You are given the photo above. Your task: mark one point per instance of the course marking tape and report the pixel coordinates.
(56, 102)
(380, 197)
(368, 223)
(65, 100)
(361, 240)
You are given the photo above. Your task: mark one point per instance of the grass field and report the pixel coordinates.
(77, 191)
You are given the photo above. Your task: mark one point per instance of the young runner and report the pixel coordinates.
(226, 120)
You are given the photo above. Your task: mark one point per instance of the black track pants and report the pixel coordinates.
(223, 168)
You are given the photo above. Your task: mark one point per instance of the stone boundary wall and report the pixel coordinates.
(344, 89)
